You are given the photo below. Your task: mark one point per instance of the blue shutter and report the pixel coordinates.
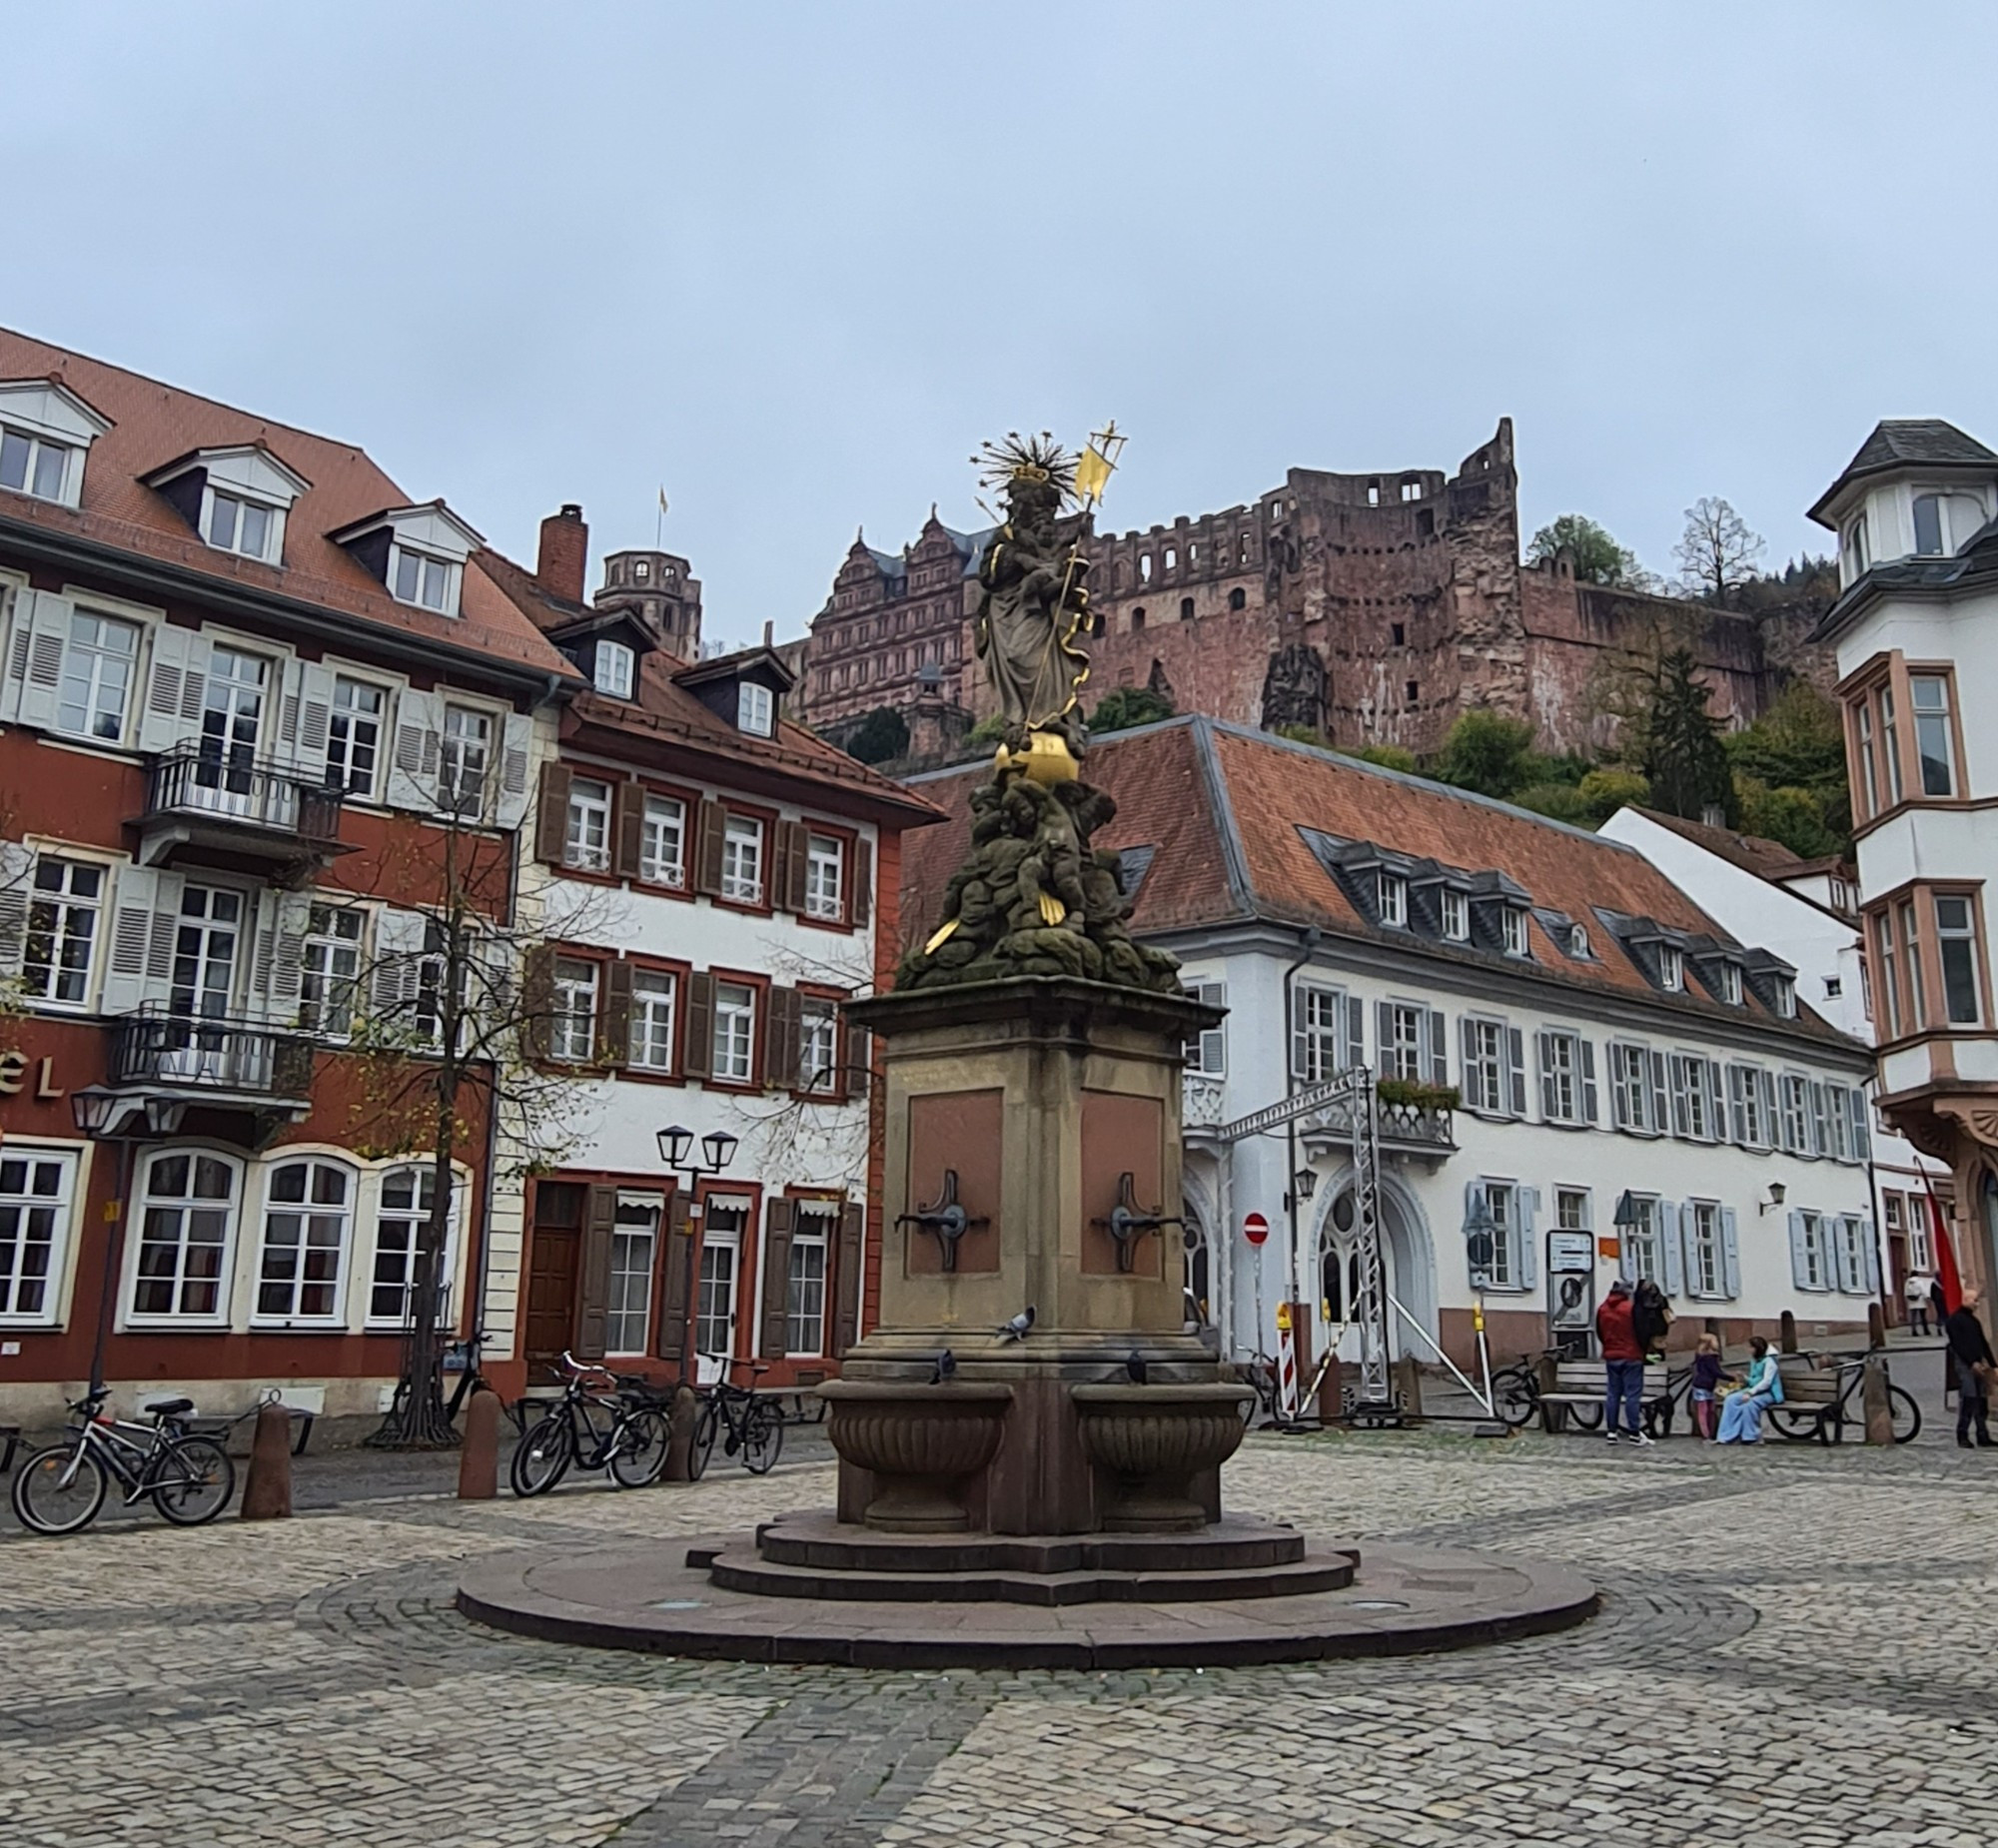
(1798, 1270)
(1515, 1059)
(1848, 1268)
(1526, 1254)
(1862, 1135)
(1673, 1279)
(1472, 1086)
(1544, 1047)
(1589, 1111)
(1660, 1123)
(1356, 1032)
(1300, 1035)
(1383, 1038)
(1717, 1102)
(1872, 1246)
(1731, 1254)
(1439, 1029)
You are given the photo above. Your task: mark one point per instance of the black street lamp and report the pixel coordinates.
(718, 1149)
(104, 1115)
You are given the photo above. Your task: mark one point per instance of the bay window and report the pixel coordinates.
(1956, 952)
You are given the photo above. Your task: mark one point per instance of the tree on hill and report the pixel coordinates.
(1125, 706)
(1597, 558)
(1488, 752)
(1717, 553)
(1789, 767)
(1682, 754)
(883, 734)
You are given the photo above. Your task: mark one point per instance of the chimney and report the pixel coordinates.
(564, 557)
(770, 630)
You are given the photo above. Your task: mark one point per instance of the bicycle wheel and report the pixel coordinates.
(763, 1439)
(705, 1428)
(195, 1479)
(542, 1457)
(1794, 1423)
(50, 1498)
(1907, 1414)
(1516, 1400)
(1585, 1418)
(639, 1452)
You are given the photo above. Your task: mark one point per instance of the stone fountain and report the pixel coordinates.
(1030, 1444)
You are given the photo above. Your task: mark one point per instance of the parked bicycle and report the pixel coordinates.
(747, 1422)
(596, 1424)
(61, 1487)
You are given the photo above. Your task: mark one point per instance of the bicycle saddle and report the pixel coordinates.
(166, 1408)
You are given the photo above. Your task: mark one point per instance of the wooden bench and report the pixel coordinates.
(1814, 1390)
(1580, 1385)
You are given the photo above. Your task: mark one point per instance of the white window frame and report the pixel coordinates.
(1920, 1230)
(1746, 1107)
(639, 1232)
(648, 1007)
(1786, 995)
(577, 984)
(68, 458)
(734, 1029)
(1501, 1201)
(211, 501)
(1966, 935)
(65, 909)
(1730, 984)
(1637, 1120)
(1671, 969)
(1584, 1219)
(1577, 943)
(316, 955)
(448, 576)
(658, 828)
(74, 648)
(1705, 1242)
(304, 1211)
(1568, 1043)
(755, 709)
(1205, 1054)
(1321, 1029)
(1819, 1270)
(1407, 1055)
(613, 668)
(1391, 897)
(455, 753)
(412, 1218)
(1497, 1102)
(144, 1201)
(341, 744)
(818, 1046)
(1513, 928)
(743, 848)
(822, 1236)
(825, 878)
(1456, 912)
(1646, 1235)
(60, 1206)
(587, 831)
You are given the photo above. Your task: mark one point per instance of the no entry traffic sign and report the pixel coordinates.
(1255, 1228)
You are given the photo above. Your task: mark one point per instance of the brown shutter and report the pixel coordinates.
(797, 850)
(599, 1220)
(780, 1049)
(779, 1216)
(785, 893)
(859, 907)
(615, 1037)
(709, 823)
(676, 1283)
(859, 1072)
(538, 998)
(851, 1261)
(627, 823)
(699, 1025)
(551, 817)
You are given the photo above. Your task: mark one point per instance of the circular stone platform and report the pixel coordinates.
(657, 1595)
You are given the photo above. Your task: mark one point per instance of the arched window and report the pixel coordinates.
(188, 1201)
(1238, 598)
(1199, 1286)
(307, 1217)
(407, 1197)
(1186, 609)
(1137, 620)
(1145, 567)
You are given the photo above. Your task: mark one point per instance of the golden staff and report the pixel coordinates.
(1093, 469)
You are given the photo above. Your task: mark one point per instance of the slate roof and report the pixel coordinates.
(1904, 442)
(1231, 812)
(154, 423)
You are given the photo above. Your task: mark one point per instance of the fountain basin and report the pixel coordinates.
(919, 1444)
(1149, 1442)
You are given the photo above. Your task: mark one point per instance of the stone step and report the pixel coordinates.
(739, 1569)
(821, 1541)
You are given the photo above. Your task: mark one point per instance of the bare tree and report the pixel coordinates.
(1717, 551)
(457, 1026)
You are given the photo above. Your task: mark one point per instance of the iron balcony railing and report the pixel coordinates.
(158, 1046)
(1405, 1127)
(193, 781)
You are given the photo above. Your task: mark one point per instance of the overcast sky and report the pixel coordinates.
(795, 261)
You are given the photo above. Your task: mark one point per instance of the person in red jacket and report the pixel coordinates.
(1622, 1363)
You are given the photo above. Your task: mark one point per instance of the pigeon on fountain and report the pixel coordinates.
(1016, 1329)
(1134, 1365)
(946, 1366)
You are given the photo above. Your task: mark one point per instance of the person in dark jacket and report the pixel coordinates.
(1970, 1353)
(1651, 1317)
(1623, 1364)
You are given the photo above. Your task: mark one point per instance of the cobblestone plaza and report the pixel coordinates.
(1793, 1648)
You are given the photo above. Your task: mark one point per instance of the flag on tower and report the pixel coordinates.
(1093, 469)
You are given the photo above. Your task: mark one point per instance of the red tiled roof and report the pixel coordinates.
(1166, 780)
(154, 423)
(1752, 853)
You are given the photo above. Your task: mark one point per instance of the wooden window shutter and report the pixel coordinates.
(797, 849)
(851, 1263)
(787, 892)
(538, 998)
(627, 824)
(860, 905)
(676, 1284)
(699, 1025)
(780, 1216)
(780, 1054)
(599, 1221)
(551, 816)
(707, 847)
(614, 1033)
(860, 1069)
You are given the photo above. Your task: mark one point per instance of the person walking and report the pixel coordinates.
(1623, 1364)
(1970, 1353)
(1916, 1291)
(1741, 1416)
(1650, 1318)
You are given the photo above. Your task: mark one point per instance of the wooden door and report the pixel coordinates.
(551, 1285)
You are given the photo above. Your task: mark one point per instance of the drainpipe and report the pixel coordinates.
(1307, 948)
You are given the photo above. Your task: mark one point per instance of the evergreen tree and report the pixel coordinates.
(1683, 758)
(1125, 706)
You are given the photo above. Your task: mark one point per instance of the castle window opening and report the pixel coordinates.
(1372, 494)
(1411, 490)
(1238, 598)
(1414, 691)
(1242, 555)
(641, 570)
(1145, 568)
(1137, 620)
(1186, 609)
(1171, 559)
(1425, 525)
(1400, 633)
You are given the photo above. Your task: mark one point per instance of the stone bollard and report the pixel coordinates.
(1330, 1394)
(1873, 1395)
(1877, 1325)
(1786, 1338)
(266, 1489)
(680, 1420)
(478, 1456)
(1409, 1381)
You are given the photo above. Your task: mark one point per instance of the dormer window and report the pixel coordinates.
(236, 499)
(415, 578)
(1393, 898)
(1578, 942)
(1671, 969)
(417, 554)
(613, 667)
(1786, 995)
(239, 526)
(44, 433)
(1730, 984)
(755, 709)
(1455, 916)
(1512, 921)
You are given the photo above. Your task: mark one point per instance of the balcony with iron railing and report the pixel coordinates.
(158, 1052)
(203, 802)
(1423, 1125)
